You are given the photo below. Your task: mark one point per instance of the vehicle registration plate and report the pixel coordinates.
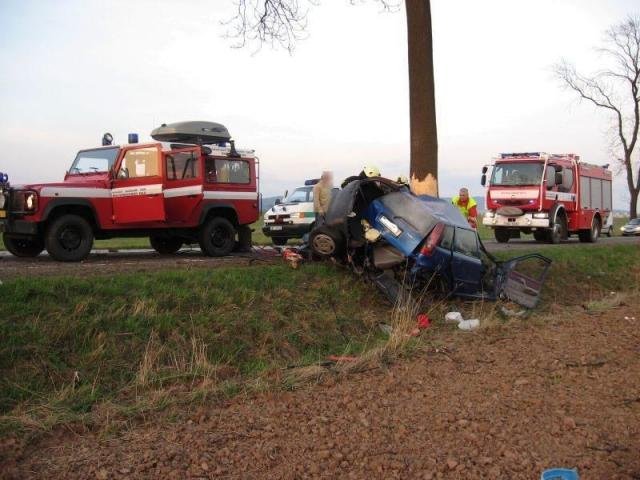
(3, 214)
(276, 228)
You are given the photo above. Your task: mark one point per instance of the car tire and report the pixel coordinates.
(502, 234)
(217, 237)
(23, 247)
(165, 245)
(325, 243)
(69, 238)
(279, 241)
(591, 235)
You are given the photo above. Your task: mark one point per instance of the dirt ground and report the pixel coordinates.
(502, 403)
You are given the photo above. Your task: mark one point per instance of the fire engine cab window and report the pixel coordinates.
(90, 161)
(182, 166)
(142, 162)
(465, 242)
(221, 170)
(520, 173)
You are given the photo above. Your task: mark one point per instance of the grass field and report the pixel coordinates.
(81, 351)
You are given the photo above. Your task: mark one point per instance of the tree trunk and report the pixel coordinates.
(633, 204)
(424, 137)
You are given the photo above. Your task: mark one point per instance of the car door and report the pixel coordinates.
(136, 191)
(182, 184)
(466, 266)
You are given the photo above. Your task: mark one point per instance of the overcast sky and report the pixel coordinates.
(72, 70)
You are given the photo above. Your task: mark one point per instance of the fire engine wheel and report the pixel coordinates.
(69, 238)
(165, 245)
(591, 235)
(502, 235)
(279, 241)
(557, 232)
(23, 247)
(217, 237)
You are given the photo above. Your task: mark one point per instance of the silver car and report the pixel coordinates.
(631, 228)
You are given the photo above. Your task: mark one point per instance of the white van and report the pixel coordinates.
(293, 217)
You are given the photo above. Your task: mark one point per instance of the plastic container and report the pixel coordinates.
(469, 324)
(453, 317)
(560, 474)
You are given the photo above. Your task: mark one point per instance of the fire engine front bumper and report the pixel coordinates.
(19, 227)
(528, 220)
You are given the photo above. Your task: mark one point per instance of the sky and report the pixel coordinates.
(72, 70)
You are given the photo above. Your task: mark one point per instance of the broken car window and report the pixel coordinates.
(466, 242)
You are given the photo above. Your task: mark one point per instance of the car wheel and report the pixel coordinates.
(502, 234)
(165, 245)
(279, 241)
(23, 247)
(591, 235)
(324, 242)
(217, 237)
(69, 238)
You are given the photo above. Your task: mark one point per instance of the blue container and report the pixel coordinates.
(560, 474)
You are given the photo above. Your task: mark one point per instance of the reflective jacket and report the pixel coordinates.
(470, 207)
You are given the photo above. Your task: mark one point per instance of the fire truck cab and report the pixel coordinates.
(191, 186)
(551, 196)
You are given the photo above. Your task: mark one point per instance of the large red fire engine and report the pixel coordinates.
(551, 196)
(191, 186)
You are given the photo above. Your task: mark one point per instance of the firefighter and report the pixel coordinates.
(322, 196)
(367, 172)
(467, 206)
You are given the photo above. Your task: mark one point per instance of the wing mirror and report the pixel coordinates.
(483, 179)
(484, 169)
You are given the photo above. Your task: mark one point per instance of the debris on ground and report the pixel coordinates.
(292, 256)
(456, 317)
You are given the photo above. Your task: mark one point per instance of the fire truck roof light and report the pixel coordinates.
(133, 138)
(312, 181)
(4, 178)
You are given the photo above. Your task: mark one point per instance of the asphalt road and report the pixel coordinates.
(104, 262)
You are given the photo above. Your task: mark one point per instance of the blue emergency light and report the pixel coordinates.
(133, 138)
(4, 178)
(313, 181)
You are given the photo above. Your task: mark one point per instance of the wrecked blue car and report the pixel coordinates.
(399, 240)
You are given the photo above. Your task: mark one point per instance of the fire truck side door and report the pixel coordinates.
(137, 189)
(182, 183)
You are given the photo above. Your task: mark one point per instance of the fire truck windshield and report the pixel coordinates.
(517, 173)
(92, 161)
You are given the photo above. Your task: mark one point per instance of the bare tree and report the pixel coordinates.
(615, 89)
(284, 22)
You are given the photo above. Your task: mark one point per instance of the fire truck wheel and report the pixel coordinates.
(279, 241)
(69, 238)
(23, 247)
(165, 245)
(591, 235)
(502, 235)
(217, 237)
(557, 232)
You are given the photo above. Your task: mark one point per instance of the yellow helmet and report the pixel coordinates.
(371, 171)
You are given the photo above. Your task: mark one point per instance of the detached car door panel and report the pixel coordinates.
(137, 191)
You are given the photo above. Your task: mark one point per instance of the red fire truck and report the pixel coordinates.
(191, 186)
(551, 196)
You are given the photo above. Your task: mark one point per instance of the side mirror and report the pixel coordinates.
(484, 170)
(278, 201)
(550, 182)
(483, 179)
(558, 178)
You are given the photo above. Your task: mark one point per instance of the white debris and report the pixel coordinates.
(471, 324)
(453, 317)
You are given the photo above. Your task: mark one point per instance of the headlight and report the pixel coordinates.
(490, 214)
(30, 201)
(622, 229)
(541, 215)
